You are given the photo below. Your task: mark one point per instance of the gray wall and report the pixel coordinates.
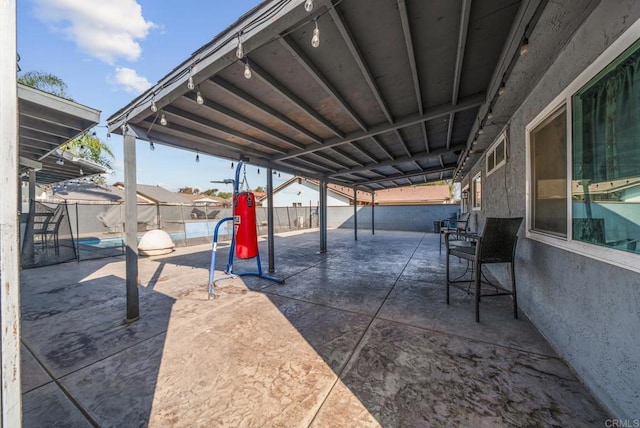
(413, 218)
(589, 310)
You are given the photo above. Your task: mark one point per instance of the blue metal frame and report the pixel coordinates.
(229, 271)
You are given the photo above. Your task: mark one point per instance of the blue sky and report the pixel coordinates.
(108, 52)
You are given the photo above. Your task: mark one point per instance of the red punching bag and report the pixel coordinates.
(244, 219)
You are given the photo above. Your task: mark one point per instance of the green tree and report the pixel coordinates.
(210, 192)
(259, 189)
(188, 190)
(90, 147)
(46, 82)
(225, 195)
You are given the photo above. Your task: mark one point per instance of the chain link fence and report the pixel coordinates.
(96, 230)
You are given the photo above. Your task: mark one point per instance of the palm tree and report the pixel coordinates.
(87, 145)
(46, 82)
(90, 147)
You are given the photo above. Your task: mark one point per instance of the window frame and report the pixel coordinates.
(492, 150)
(475, 205)
(611, 256)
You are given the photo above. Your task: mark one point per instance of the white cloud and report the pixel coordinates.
(130, 80)
(107, 30)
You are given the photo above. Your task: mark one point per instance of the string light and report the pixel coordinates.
(152, 147)
(315, 40)
(60, 161)
(163, 120)
(258, 171)
(490, 114)
(278, 175)
(308, 5)
(247, 70)
(108, 136)
(240, 50)
(199, 98)
(231, 165)
(480, 131)
(190, 83)
(154, 107)
(197, 157)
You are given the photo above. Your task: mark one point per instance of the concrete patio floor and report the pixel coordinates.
(359, 336)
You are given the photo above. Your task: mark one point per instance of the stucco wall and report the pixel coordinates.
(411, 218)
(589, 310)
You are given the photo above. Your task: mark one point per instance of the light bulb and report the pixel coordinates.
(240, 50)
(108, 136)
(197, 158)
(308, 5)
(152, 147)
(315, 40)
(163, 120)
(247, 71)
(154, 107)
(480, 131)
(199, 98)
(231, 165)
(190, 83)
(81, 171)
(490, 114)
(502, 89)
(258, 171)
(524, 47)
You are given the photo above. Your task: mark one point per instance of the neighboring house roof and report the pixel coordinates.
(200, 198)
(82, 192)
(157, 194)
(409, 195)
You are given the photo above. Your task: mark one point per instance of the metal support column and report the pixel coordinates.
(9, 222)
(323, 215)
(131, 225)
(270, 225)
(373, 204)
(355, 214)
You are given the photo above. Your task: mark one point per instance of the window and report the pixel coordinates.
(297, 204)
(497, 153)
(605, 188)
(548, 154)
(583, 161)
(476, 194)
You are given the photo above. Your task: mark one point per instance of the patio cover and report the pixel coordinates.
(395, 94)
(46, 123)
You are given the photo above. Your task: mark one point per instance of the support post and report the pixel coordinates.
(131, 225)
(11, 395)
(27, 243)
(373, 205)
(355, 214)
(270, 225)
(323, 215)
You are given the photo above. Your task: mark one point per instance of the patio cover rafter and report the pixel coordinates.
(449, 167)
(429, 114)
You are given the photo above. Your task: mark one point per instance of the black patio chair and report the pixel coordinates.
(456, 227)
(496, 244)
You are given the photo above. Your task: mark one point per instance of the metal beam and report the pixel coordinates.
(448, 167)
(382, 147)
(313, 71)
(404, 145)
(209, 124)
(399, 161)
(364, 151)
(362, 65)
(255, 103)
(293, 98)
(431, 113)
(346, 155)
(462, 43)
(408, 42)
(355, 213)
